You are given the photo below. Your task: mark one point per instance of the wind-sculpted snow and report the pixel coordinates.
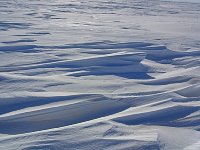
(99, 74)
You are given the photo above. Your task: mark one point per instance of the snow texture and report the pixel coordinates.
(99, 75)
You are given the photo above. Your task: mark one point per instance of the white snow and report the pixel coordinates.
(113, 75)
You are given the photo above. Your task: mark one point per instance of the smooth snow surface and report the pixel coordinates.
(189, 1)
(99, 75)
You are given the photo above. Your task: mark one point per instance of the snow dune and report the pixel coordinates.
(99, 75)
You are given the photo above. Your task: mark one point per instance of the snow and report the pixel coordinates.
(113, 75)
(189, 1)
